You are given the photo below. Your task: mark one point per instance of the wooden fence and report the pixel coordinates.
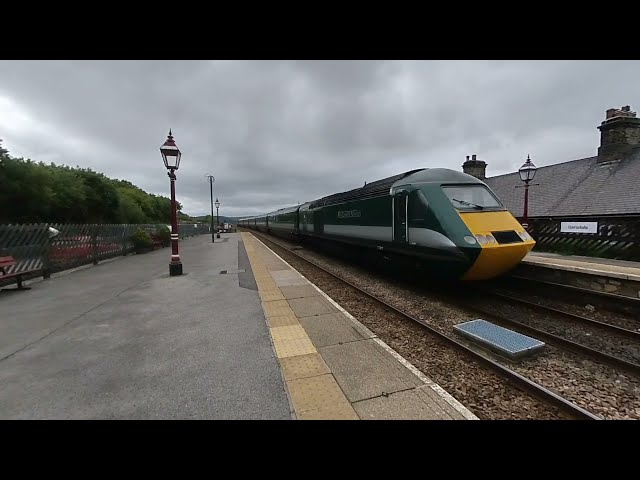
(617, 237)
(34, 248)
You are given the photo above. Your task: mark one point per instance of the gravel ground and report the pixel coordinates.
(595, 387)
(583, 308)
(584, 334)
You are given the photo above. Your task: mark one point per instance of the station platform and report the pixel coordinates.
(599, 274)
(241, 335)
(333, 366)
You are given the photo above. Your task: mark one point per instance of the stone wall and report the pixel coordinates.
(618, 286)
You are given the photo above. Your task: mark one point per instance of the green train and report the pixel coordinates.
(452, 221)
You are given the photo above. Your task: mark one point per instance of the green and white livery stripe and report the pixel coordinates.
(360, 231)
(425, 237)
(282, 226)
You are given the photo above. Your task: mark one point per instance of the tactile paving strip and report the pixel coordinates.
(341, 411)
(291, 332)
(303, 366)
(315, 393)
(271, 296)
(282, 321)
(277, 308)
(291, 348)
(271, 290)
(262, 276)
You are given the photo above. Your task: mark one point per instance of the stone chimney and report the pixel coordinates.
(619, 134)
(475, 167)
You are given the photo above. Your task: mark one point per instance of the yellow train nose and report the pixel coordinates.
(501, 254)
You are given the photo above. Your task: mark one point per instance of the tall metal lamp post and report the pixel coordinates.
(218, 217)
(211, 180)
(527, 172)
(171, 157)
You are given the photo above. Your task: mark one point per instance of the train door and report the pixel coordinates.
(400, 229)
(318, 223)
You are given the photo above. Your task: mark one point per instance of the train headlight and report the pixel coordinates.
(469, 239)
(524, 235)
(491, 239)
(481, 239)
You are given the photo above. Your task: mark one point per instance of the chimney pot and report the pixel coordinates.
(475, 167)
(619, 134)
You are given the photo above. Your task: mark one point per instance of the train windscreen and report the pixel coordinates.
(472, 197)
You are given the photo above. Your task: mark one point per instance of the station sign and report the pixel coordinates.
(579, 227)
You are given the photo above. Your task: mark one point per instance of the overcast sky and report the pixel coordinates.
(274, 133)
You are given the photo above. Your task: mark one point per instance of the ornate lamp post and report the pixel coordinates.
(527, 172)
(211, 180)
(218, 217)
(171, 157)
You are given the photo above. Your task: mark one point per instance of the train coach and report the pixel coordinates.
(452, 221)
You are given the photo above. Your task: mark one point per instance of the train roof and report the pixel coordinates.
(282, 211)
(435, 175)
(383, 186)
(370, 190)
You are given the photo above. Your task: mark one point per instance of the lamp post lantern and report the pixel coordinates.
(218, 216)
(171, 156)
(527, 172)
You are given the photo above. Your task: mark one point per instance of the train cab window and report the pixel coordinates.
(417, 210)
(472, 197)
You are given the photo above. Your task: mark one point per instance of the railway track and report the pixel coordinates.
(628, 346)
(528, 386)
(603, 300)
(610, 328)
(560, 340)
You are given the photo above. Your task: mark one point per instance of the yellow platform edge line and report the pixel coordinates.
(288, 342)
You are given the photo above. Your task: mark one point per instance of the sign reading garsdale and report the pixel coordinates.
(579, 227)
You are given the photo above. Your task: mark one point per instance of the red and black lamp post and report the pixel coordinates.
(527, 172)
(171, 157)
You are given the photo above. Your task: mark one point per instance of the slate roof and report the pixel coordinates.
(577, 187)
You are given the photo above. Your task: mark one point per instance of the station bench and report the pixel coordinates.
(5, 264)
(157, 242)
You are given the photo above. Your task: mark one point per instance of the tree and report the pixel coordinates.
(69, 200)
(35, 192)
(25, 191)
(101, 197)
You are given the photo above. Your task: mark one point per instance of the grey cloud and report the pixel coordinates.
(277, 132)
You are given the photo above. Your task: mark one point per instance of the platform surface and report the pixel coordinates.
(333, 366)
(124, 340)
(241, 335)
(596, 266)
